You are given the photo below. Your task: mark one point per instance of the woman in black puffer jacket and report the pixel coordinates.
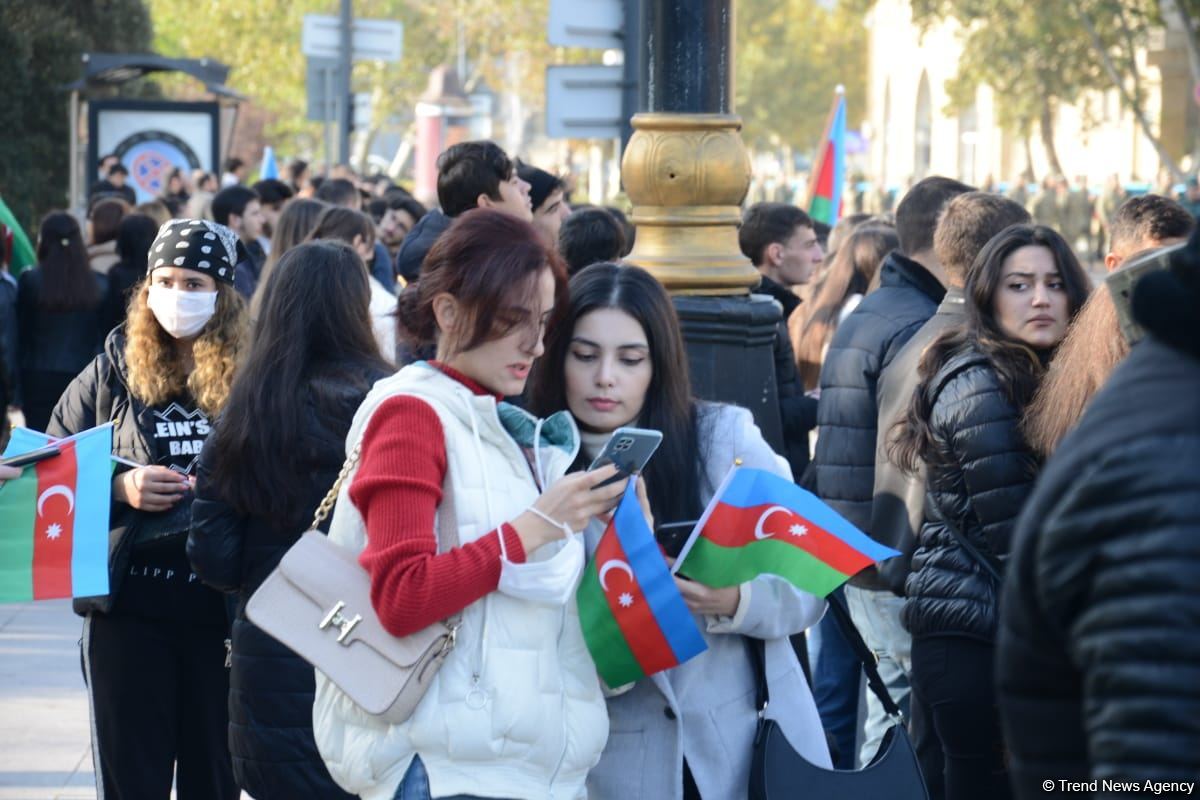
(273, 455)
(963, 427)
(1099, 641)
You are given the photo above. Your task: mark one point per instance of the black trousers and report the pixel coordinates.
(158, 693)
(952, 683)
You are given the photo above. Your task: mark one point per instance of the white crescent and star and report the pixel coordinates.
(611, 564)
(762, 521)
(51, 492)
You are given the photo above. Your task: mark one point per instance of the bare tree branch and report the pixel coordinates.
(1140, 115)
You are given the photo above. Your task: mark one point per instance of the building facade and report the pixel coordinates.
(913, 135)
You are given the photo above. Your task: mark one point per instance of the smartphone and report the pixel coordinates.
(630, 449)
(32, 457)
(1120, 285)
(672, 536)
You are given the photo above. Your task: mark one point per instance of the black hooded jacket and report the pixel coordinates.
(864, 344)
(797, 411)
(101, 394)
(976, 486)
(1099, 643)
(271, 688)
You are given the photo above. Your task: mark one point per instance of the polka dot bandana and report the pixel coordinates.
(195, 244)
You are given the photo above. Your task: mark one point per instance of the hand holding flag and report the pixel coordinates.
(634, 620)
(758, 523)
(54, 519)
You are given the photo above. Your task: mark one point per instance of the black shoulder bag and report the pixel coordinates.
(778, 772)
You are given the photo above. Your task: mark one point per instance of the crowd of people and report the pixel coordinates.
(947, 380)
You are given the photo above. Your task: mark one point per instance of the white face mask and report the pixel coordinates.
(550, 582)
(182, 314)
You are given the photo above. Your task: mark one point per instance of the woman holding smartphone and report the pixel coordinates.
(154, 647)
(516, 709)
(614, 358)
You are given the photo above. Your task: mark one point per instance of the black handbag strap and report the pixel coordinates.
(989, 566)
(837, 607)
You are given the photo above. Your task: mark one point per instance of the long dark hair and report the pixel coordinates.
(1019, 367)
(135, 234)
(673, 476)
(68, 283)
(313, 338)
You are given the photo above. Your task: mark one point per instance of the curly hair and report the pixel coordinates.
(155, 373)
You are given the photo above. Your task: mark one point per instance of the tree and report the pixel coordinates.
(1036, 55)
(791, 54)
(261, 43)
(41, 42)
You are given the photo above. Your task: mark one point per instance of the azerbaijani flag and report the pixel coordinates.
(54, 518)
(829, 173)
(634, 620)
(760, 523)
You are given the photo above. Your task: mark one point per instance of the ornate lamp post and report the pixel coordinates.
(687, 172)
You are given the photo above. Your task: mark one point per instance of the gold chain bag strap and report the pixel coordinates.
(318, 603)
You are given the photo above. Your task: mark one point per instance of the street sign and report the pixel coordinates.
(595, 24)
(321, 81)
(584, 102)
(373, 39)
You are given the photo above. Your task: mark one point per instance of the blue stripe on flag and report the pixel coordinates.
(754, 487)
(24, 440)
(655, 580)
(93, 487)
(837, 134)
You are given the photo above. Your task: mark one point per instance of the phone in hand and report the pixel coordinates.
(672, 536)
(630, 450)
(32, 457)
(1120, 285)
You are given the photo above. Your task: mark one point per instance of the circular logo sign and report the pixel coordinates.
(151, 155)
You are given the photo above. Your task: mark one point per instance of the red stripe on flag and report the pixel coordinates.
(54, 525)
(629, 606)
(730, 526)
(824, 187)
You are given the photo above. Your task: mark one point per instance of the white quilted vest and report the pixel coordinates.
(516, 710)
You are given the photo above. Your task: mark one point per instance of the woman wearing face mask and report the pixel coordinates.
(154, 647)
(963, 427)
(615, 357)
(516, 709)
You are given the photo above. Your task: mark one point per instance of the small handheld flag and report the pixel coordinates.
(634, 620)
(759, 523)
(829, 171)
(54, 519)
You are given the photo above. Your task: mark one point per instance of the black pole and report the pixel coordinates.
(687, 56)
(345, 105)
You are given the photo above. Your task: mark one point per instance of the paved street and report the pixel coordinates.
(46, 754)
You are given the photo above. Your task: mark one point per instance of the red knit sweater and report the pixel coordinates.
(397, 489)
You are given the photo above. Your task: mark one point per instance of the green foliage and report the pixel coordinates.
(41, 42)
(260, 41)
(791, 54)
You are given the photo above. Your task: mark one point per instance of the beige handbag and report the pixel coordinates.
(318, 603)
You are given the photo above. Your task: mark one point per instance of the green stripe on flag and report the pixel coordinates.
(18, 509)
(717, 566)
(614, 660)
(821, 209)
